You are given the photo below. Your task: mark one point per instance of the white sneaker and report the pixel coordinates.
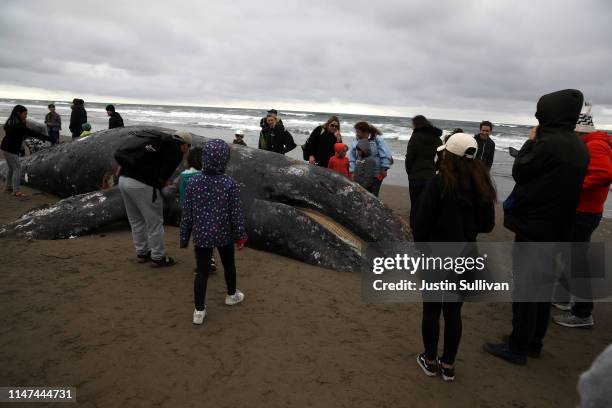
(198, 316)
(235, 298)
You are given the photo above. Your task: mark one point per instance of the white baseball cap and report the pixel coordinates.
(459, 143)
(239, 132)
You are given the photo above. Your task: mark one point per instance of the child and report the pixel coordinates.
(193, 165)
(457, 204)
(212, 211)
(339, 163)
(365, 166)
(238, 138)
(86, 130)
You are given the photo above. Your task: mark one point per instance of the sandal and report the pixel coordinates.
(165, 261)
(19, 194)
(144, 258)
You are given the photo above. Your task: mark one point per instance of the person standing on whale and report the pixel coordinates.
(147, 162)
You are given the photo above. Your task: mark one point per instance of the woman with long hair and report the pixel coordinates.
(378, 148)
(16, 130)
(457, 204)
(319, 147)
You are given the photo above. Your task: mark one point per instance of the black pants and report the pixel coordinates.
(529, 325)
(203, 256)
(531, 307)
(415, 188)
(584, 226)
(54, 134)
(430, 328)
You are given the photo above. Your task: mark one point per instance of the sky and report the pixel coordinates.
(464, 60)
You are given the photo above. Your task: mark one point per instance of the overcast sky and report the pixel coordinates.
(446, 59)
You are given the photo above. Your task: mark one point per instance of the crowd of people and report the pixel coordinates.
(562, 172)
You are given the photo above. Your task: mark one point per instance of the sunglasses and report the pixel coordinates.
(333, 125)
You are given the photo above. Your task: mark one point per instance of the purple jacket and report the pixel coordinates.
(212, 210)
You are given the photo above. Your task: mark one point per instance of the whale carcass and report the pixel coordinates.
(291, 208)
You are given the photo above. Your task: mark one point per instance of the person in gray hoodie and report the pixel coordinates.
(365, 166)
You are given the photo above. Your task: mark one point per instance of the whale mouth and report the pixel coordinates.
(333, 226)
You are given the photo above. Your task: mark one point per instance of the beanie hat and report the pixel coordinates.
(585, 120)
(86, 126)
(182, 136)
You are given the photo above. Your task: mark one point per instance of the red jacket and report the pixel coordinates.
(599, 173)
(341, 165)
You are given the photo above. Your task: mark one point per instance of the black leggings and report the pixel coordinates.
(203, 256)
(431, 329)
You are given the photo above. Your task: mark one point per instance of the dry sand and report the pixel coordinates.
(83, 313)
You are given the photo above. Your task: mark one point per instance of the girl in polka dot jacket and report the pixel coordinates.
(212, 213)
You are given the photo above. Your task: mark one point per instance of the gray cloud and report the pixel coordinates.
(469, 56)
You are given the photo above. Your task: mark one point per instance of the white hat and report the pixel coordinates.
(459, 143)
(239, 132)
(182, 136)
(585, 121)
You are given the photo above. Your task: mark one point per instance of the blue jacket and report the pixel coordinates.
(212, 210)
(380, 152)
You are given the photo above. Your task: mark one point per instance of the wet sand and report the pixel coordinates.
(83, 313)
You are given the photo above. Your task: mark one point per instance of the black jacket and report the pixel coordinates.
(276, 139)
(486, 150)
(421, 152)
(14, 136)
(169, 159)
(320, 144)
(115, 121)
(77, 118)
(549, 173)
(441, 217)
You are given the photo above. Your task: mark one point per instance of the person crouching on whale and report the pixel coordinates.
(451, 209)
(16, 130)
(147, 162)
(212, 213)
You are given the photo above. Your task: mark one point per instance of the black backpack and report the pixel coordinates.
(142, 153)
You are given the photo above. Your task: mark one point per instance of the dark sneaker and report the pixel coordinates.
(569, 320)
(164, 262)
(144, 258)
(448, 374)
(503, 351)
(431, 370)
(532, 351)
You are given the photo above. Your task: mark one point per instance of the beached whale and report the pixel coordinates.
(291, 208)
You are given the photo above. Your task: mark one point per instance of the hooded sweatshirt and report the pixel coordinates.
(115, 121)
(365, 168)
(422, 151)
(337, 163)
(549, 172)
(486, 150)
(77, 118)
(212, 210)
(599, 173)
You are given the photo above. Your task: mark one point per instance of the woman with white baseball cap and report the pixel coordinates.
(457, 204)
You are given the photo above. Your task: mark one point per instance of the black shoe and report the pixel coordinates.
(503, 351)
(532, 351)
(429, 369)
(166, 261)
(144, 258)
(448, 374)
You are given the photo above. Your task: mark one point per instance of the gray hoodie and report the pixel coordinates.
(365, 168)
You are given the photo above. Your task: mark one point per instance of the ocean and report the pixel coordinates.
(222, 122)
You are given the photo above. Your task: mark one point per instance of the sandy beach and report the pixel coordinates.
(83, 313)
